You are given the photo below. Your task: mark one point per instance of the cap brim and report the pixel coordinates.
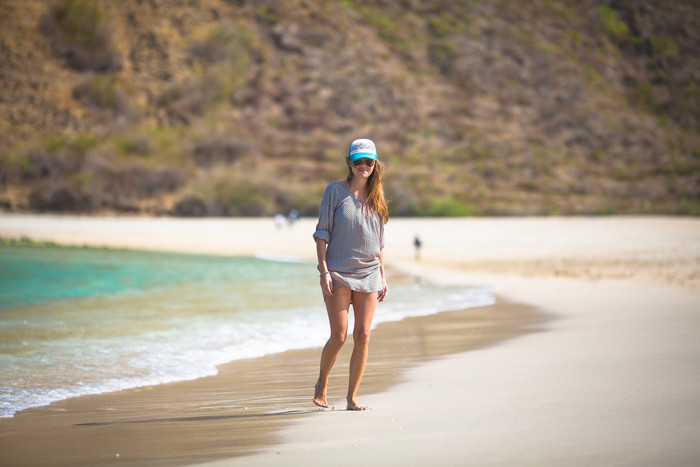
(363, 155)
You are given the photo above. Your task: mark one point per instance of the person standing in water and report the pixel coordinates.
(349, 245)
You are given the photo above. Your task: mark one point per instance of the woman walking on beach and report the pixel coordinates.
(349, 246)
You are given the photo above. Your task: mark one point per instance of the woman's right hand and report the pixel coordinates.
(327, 284)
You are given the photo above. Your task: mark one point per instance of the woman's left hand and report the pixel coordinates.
(384, 291)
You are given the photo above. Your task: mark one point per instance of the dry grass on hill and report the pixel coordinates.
(246, 108)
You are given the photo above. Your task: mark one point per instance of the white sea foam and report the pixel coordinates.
(188, 335)
(282, 258)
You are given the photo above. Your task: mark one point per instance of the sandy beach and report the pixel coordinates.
(590, 356)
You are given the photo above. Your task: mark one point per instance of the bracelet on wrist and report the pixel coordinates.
(324, 273)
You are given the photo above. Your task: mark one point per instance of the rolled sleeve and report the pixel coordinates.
(325, 216)
(322, 234)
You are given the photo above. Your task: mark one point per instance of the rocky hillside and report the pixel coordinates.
(234, 107)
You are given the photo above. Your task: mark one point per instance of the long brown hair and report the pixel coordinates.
(375, 190)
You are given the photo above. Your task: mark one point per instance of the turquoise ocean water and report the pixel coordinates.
(76, 321)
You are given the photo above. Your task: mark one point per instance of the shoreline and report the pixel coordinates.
(602, 385)
(661, 249)
(467, 298)
(613, 290)
(241, 410)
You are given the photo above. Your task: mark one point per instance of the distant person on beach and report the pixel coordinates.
(293, 216)
(417, 244)
(349, 246)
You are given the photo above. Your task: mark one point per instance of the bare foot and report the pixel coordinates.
(352, 405)
(320, 395)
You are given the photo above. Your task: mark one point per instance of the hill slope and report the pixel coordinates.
(222, 107)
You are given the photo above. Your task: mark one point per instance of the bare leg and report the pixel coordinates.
(337, 306)
(363, 305)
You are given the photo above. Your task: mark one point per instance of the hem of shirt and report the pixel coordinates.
(378, 292)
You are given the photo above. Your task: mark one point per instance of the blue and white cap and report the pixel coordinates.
(362, 148)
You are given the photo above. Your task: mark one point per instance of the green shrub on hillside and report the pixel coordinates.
(442, 206)
(445, 24)
(13, 167)
(137, 144)
(80, 22)
(664, 47)
(71, 146)
(107, 92)
(226, 43)
(384, 23)
(78, 31)
(255, 191)
(611, 23)
(222, 63)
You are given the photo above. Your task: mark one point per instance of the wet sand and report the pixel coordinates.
(613, 380)
(591, 356)
(243, 409)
